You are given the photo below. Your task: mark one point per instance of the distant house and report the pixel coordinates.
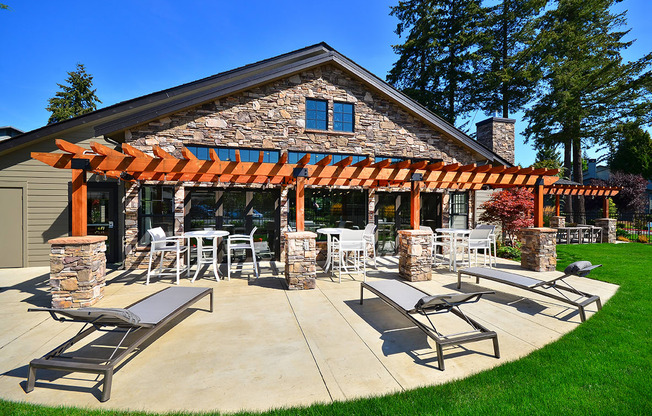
(603, 172)
(7, 132)
(310, 101)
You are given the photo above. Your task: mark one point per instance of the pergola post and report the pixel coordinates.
(300, 203)
(557, 220)
(538, 203)
(605, 207)
(557, 208)
(79, 203)
(415, 199)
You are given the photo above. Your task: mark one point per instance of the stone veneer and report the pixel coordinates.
(272, 116)
(415, 255)
(301, 260)
(77, 271)
(608, 226)
(498, 135)
(538, 249)
(557, 221)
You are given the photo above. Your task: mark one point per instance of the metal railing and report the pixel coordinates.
(635, 226)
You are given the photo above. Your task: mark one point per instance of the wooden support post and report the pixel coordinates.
(538, 205)
(79, 198)
(557, 209)
(415, 205)
(301, 185)
(605, 207)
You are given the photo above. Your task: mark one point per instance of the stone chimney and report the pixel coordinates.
(498, 135)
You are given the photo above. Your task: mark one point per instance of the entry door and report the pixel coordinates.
(11, 212)
(103, 216)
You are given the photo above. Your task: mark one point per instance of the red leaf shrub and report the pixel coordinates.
(512, 209)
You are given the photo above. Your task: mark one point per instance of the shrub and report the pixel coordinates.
(642, 239)
(510, 252)
(622, 238)
(511, 208)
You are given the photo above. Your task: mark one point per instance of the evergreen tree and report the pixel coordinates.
(437, 60)
(548, 157)
(74, 99)
(509, 70)
(634, 154)
(587, 89)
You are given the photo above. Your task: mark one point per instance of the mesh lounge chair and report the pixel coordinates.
(143, 319)
(411, 301)
(555, 288)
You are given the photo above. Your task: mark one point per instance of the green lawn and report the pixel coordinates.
(602, 367)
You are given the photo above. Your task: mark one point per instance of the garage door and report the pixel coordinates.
(11, 212)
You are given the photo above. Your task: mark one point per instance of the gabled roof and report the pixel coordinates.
(118, 117)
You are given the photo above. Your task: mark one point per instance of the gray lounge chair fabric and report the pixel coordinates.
(555, 288)
(143, 319)
(410, 301)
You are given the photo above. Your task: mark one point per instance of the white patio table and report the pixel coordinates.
(453, 235)
(329, 233)
(202, 257)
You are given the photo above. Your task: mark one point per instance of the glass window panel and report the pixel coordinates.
(337, 107)
(347, 117)
(156, 210)
(337, 126)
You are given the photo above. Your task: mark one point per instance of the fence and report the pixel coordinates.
(635, 226)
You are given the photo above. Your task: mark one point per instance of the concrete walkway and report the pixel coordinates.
(265, 347)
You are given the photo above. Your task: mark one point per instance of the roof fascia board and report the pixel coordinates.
(210, 94)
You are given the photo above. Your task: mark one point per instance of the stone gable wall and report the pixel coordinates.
(272, 116)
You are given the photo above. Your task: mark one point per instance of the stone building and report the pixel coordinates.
(310, 101)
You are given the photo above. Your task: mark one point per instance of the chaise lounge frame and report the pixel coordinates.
(531, 284)
(430, 305)
(54, 360)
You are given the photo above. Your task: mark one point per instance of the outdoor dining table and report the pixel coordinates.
(453, 235)
(329, 232)
(199, 236)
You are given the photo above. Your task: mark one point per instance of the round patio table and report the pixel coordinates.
(329, 233)
(454, 234)
(201, 259)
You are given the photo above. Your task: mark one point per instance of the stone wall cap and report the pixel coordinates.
(301, 234)
(540, 229)
(414, 232)
(87, 239)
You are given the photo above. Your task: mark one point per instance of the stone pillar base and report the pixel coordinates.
(538, 249)
(301, 260)
(415, 255)
(77, 271)
(608, 226)
(557, 221)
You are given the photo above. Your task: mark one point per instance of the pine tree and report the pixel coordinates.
(509, 69)
(437, 60)
(587, 88)
(74, 99)
(634, 154)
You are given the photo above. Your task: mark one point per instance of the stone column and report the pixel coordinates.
(608, 226)
(415, 255)
(77, 270)
(301, 260)
(557, 221)
(538, 249)
(285, 212)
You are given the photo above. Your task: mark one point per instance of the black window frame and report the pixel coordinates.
(325, 112)
(455, 210)
(142, 232)
(343, 122)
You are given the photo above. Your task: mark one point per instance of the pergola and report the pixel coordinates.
(132, 164)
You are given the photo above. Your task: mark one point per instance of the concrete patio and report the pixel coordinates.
(265, 347)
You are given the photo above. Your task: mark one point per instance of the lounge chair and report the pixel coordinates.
(143, 319)
(411, 301)
(558, 285)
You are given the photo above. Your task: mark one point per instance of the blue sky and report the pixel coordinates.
(133, 48)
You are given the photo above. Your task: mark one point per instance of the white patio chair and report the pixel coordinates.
(370, 237)
(478, 239)
(241, 242)
(163, 244)
(437, 241)
(350, 253)
(492, 236)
